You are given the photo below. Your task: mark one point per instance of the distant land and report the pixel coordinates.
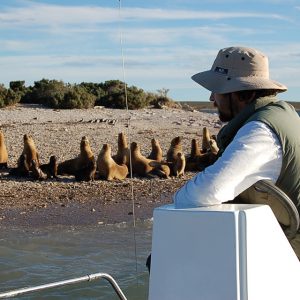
(206, 105)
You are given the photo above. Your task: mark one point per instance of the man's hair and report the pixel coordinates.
(245, 95)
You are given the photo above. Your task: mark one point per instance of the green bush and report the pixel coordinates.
(3, 92)
(8, 96)
(78, 97)
(114, 96)
(162, 101)
(57, 94)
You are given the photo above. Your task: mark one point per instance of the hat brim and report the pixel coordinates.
(222, 84)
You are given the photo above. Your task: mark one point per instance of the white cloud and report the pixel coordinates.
(57, 15)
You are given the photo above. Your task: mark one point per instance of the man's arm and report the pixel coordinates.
(254, 154)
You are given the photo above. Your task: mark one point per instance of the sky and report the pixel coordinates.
(151, 44)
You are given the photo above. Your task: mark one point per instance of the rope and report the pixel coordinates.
(129, 141)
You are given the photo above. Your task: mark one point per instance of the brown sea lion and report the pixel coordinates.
(122, 156)
(156, 152)
(213, 147)
(195, 149)
(108, 169)
(29, 150)
(142, 166)
(179, 165)
(22, 169)
(174, 149)
(191, 161)
(87, 172)
(51, 168)
(209, 157)
(205, 140)
(36, 172)
(3, 152)
(160, 169)
(71, 166)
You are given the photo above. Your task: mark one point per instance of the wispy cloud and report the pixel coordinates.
(57, 15)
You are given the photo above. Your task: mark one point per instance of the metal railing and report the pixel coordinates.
(90, 277)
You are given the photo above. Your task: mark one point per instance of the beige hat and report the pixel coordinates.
(238, 69)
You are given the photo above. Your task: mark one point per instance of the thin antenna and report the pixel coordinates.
(129, 141)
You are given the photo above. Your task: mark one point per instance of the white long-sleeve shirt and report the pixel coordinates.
(254, 154)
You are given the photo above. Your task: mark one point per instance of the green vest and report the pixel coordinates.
(285, 123)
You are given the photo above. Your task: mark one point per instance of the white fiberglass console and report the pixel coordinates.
(223, 252)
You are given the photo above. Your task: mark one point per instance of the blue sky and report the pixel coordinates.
(164, 42)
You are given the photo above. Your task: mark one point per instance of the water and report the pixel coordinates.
(39, 256)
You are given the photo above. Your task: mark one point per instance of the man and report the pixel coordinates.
(260, 141)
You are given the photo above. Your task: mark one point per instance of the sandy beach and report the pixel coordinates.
(64, 201)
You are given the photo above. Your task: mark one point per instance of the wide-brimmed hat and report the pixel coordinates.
(238, 69)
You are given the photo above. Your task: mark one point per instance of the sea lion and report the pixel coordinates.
(3, 152)
(142, 166)
(207, 158)
(213, 153)
(174, 149)
(191, 161)
(22, 168)
(87, 172)
(29, 150)
(205, 139)
(161, 169)
(156, 152)
(179, 165)
(36, 172)
(122, 156)
(213, 146)
(195, 149)
(71, 166)
(51, 168)
(108, 169)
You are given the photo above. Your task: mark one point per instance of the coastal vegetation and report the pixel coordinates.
(57, 94)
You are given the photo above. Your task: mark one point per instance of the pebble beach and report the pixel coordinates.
(63, 201)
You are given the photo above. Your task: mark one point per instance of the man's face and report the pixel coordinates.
(223, 103)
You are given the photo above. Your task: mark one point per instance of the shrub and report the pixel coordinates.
(8, 96)
(115, 96)
(57, 94)
(162, 101)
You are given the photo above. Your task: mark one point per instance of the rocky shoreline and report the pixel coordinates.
(64, 201)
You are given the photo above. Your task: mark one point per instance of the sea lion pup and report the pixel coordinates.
(179, 165)
(51, 168)
(144, 167)
(36, 172)
(87, 172)
(174, 149)
(122, 156)
(156, 152)
(22, 168)
(108, 169)
(3, 152)
(205, 140)
(71, 166)
(29, 150)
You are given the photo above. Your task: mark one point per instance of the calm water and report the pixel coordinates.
(35, 257)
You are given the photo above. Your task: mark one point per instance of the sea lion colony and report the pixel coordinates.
(86, 167)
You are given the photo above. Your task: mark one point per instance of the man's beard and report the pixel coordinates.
(223, 117)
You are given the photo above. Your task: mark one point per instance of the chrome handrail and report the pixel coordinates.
(90, 277)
